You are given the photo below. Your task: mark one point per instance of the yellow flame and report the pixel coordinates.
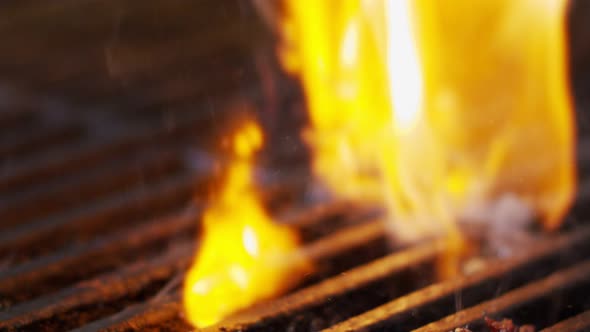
(436, 109)
(243, 256)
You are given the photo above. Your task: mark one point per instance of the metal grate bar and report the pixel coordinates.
(409, 310)
(342, 240)
(577, 323)
(101, 289)
(20, 278)
(557, 281)
(76, 191)
(14, 280)
(325, 249)
(125, 206)
(331, 289)
(46, 266)
(137, 317)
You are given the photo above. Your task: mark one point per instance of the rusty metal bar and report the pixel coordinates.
(578, 323)
(18, 279)
(79, 190)
(21, 278)
(342, 240)
(106, 287)
(331, 289)
(324, 249)
(309, 217)
(137, 317)
(532, 291)
(400, 309)
(341, 213)
(156, 313)
(172, 192)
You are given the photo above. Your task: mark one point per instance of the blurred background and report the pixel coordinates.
(161, 61)
(120, 64)
(116, 64)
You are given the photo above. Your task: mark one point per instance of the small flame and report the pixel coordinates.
(436, 109)
(243, 257)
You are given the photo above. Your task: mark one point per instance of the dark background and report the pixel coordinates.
(158, 59)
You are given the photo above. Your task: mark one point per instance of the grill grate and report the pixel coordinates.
(122, 274)
(100, 194)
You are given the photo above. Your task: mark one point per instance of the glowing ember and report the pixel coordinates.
(243, 256)
(436, 109)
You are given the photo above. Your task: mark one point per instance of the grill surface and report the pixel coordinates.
(106, 158)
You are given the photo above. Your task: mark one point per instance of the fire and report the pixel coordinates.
(243, 257)
(436, 109)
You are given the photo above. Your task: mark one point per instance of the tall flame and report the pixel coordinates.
(243, 256)
(437, 109)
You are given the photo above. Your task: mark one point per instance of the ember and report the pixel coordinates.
(505, 325)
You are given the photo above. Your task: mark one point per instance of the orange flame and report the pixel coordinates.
(437, 109)
(243, 257)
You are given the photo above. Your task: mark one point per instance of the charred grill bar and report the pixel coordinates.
(359, 285)
(105, 161)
